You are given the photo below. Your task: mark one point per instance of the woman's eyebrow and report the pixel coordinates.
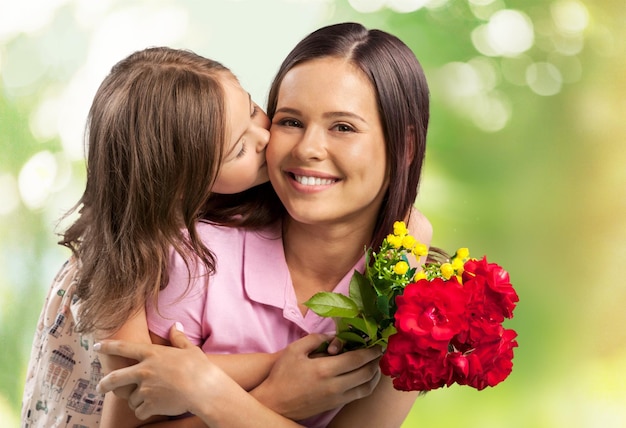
(328, 115)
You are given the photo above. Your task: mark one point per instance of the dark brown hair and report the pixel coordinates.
(155, 133)
(402, 98)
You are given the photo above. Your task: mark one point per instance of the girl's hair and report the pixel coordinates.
(402, 99)
(155, 135)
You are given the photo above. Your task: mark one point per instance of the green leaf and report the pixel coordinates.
(382, 303)
(348, 336)
(327, 304)
(388, 332)
(363, 293)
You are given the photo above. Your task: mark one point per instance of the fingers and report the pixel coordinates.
(367, 387)
(178, 338)
(311, 343)
(355, 360)
(135, 351)
(117, 379)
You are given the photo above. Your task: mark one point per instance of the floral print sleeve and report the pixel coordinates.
(63, 370)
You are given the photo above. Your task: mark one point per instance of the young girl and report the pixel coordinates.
(350, 112)
(167, 129)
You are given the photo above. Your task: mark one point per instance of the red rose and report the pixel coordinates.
(487, 364)
(432, 312)
(413, 368)
(490, 287)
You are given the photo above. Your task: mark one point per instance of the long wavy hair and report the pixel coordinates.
(154, 135)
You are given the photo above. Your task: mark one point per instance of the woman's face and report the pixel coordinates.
(243, 161)
(326, 158)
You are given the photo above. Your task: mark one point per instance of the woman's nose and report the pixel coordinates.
(312, 145)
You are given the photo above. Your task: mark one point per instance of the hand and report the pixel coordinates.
(299, 386)
(170, 380)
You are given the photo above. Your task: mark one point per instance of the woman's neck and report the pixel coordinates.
(318, 257)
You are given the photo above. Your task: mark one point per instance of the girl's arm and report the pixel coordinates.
(192, 385)
(247, 369)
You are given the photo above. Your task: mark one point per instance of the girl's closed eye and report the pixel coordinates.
(242, 151)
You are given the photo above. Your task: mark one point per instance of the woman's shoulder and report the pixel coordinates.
(420, 227)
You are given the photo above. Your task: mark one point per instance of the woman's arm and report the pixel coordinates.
(384, 408)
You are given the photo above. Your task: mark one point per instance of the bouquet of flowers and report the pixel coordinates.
(438, 326)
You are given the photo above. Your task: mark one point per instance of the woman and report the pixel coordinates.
(349, 111)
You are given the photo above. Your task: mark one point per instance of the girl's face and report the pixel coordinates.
(243, 162)
(327, 159)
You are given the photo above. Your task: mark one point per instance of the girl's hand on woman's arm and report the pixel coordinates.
(300, 386)
(179, 379)
(115, 411)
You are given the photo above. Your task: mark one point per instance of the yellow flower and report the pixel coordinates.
(462, 253)
(457, 265)
(409, 242)
(401, 267)
(419, 275)
(420, 250)
(399, 228)
(394, 241)
(446, 270)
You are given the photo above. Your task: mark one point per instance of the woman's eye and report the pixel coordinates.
(255, 111)
(290, 123)
(342, 127)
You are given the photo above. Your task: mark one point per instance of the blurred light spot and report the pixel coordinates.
(514, 69)
(570, 67)
(21, 67)
(460, 80)
(490, 112)
(43, 120)
(367, 6)
(9, 196)
(509, 32)
(26, 16)
(487, 70)
(484, 9)
(406, 6)
(468, 88)
(565, 44)
(36, 179)
(481, 2)
(70, 120)
(544, 78)
(570, 16)
(480, 40)
(435, 4)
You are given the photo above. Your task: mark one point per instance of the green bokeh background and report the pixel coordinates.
(544, 196)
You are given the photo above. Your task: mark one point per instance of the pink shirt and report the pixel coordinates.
(248, 305)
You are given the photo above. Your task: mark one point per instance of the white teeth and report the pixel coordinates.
(313, 181)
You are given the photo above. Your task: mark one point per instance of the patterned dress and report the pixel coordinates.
(63, 370)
